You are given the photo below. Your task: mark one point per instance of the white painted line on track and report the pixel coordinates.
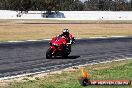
(14, 41)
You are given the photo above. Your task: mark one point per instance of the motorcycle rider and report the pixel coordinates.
(60, 45)
(67, 36)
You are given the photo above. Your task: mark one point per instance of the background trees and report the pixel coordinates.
(66, 5)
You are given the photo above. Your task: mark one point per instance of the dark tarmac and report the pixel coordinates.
(29, 57)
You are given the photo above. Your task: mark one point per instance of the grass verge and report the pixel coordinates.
(15, 30)
(69, 79)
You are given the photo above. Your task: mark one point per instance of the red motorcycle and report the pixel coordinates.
(59, 47)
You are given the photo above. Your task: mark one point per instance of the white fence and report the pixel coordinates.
(69, 15)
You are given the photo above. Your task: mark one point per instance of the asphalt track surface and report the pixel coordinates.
(29, 57)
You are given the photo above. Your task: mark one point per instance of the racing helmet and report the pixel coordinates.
(65, 32)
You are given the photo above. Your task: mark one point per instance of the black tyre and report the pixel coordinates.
(65, 55)
(49, 54)
(66, 52)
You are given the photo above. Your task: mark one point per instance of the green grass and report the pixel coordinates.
(114, 70)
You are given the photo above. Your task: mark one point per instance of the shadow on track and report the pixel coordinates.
(69, 57)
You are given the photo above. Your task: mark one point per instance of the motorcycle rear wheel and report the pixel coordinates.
(49, 54)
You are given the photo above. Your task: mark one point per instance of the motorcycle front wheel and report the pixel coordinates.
(49, 54)
(66, 52)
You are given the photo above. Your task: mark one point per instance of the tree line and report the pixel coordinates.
(66, 5)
